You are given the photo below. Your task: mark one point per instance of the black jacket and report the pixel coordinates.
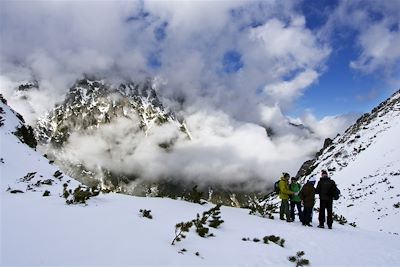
(325, 188)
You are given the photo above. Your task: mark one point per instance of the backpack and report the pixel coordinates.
(336, 193)
(276, 187)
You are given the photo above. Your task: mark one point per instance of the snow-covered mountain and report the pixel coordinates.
(92, 102)
(365, 164)
(38, 227)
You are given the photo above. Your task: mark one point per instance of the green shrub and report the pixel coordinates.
(180, 230)
(200, 223)
(298, 259)
(275, 239)
(340, 219)
(195, 196)
(146, 213)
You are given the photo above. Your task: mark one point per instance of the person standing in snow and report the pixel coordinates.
(295, 200)
(284, 194)
(325, 187)
(307, 195)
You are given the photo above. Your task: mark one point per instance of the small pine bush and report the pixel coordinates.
(200, 223)
(180, 230)
(216, 220)
(275, 239)
(146, 213)
(195, 196)
(353, 224)
(298, 259)
(46, 193)
(263, 210)
(340, 219)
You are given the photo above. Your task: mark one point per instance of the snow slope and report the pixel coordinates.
(109, 230)
(365, 164)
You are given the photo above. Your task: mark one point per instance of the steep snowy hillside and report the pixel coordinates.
(365, 163)
(39, 228)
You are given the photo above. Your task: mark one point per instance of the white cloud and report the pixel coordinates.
(56, 42)
(222, 150)
(328, 126)
(375, 26)
(380, 49)
(287, 90)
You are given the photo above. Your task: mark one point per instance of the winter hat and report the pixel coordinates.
(324, 173)
(294, 179)
(286, 175)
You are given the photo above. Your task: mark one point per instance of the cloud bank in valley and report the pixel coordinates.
(227, 67)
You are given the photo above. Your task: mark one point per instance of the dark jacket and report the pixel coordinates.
(307, 195)
(325, 188)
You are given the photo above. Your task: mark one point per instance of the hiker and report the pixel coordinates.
(325, 187)
(307, 195)
(295, 200)
(312, 181)
(284, 194)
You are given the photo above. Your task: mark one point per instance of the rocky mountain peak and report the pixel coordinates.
(91, 102)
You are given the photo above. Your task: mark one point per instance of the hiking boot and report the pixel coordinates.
(330, 226)
(321, 226)
(309, 224)
(289, 220)
(282, 219)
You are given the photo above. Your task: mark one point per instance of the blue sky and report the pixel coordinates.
(340, 88)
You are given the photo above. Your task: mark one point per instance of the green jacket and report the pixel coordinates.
(295, 187)
(284, 191)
